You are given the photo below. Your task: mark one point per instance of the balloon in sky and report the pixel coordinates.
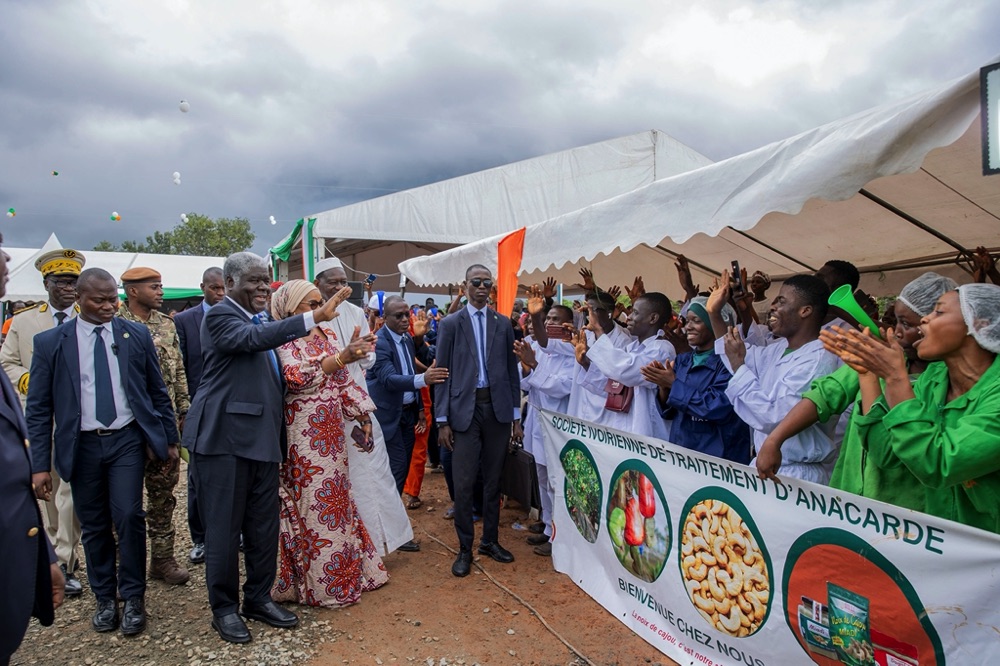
(184, 106)
(176, 175)
(273, 221)
(55, 173)
(11, 212)
(115, 217)
(184, 217)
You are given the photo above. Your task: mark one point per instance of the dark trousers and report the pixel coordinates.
(238, 495)
(107, 490)
(196, 527)
(482, 447)
(449, 480)
(400, 447)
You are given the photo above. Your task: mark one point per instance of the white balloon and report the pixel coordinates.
(184, 217)
(177, 181)
(273, 221)
(184, 106)
(176, 175)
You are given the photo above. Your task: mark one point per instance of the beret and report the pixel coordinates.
(141, 274)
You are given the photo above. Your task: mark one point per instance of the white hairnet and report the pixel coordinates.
(981, 311)
(921, 294)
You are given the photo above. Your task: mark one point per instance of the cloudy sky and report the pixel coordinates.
(299, 106)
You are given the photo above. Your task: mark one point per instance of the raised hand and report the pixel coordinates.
(720, 294)
(536, 301)
(421, 324)
(684, 275)
(638, 289)
(359, 347)
(328, 311)
(588, 283)
(549, 287)
(736, 349)
(525, 354)
(580, 347)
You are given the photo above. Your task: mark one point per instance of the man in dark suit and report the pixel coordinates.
(31, 579)
(188, 325)
(98, 378)
(395, 386)
(235, 431)
(475, 408)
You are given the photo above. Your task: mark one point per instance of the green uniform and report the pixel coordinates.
(855, 472)
(162, 475)
(953, 448)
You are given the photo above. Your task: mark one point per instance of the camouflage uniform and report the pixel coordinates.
(162, 475)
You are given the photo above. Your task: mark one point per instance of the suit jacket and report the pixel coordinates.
(188, 325)
(388, 381)
(55, 392)
(455, 398)
(239, 409)
(24, 549)
(18, 346)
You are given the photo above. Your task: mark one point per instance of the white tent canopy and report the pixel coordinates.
(878, 188)
(178, 271)
(375, 235)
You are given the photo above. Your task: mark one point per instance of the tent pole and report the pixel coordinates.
(915, 222)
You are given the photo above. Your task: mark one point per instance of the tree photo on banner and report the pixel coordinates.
(710, 564)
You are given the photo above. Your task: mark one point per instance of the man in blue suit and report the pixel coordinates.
(30, 578)
(235, 430)
(478, 410)
(188, 325)
(97, 377)
(395, 385)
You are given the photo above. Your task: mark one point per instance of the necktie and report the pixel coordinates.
(60, 317)
(270, 352)
(407, 362)
(481, 324)
(106, 412)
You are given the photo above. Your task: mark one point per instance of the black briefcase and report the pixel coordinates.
(519, 480)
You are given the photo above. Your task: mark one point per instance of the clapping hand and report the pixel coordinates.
(525, 353)
(866, 353)
(736, 349)
(661, 374)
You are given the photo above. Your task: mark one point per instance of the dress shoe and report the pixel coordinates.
(272, 614)
(197, 555)
(411, 502)
(537, 527)
(449, 513)
(410, 546)
(231, 627)
(537, 539)
(106, 616)
(545, 550)
(496, 551)
(463, 563)
(73, 587)
(134, 617)
(167, 570)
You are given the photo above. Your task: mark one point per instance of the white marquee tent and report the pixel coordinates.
(374, 236)
(896, 190)
(181, 273)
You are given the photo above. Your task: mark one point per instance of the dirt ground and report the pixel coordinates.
(423, 616)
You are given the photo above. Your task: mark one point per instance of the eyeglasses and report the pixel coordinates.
(63, 283)
(315, 305)
(481, 282)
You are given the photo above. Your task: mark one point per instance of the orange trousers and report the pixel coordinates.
(418, 462)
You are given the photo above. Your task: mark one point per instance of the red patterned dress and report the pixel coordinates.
(326, 557)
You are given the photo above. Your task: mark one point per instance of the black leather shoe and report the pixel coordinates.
(106, 616)
(73, 586)
(410, 546)
(537, 539)
(272, 614)
(134, 617)
(197, 555)
(463, 563)
(537, 527)
(231, 627)
(496, 551)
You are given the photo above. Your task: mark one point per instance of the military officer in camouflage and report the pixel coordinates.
(59, 269)
(144, 294)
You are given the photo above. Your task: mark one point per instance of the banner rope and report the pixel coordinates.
(519, 599)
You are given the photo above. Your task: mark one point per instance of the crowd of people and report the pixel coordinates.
(306, 421)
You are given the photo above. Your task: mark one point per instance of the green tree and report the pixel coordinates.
(199, 235)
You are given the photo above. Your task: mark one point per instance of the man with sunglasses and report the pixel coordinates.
(478, 410)
(59, 269)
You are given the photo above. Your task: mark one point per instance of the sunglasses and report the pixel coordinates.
(314, 304)
(481, 282)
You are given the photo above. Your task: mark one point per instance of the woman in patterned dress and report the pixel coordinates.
(326, 557)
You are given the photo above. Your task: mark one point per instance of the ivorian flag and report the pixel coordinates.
(509, 251)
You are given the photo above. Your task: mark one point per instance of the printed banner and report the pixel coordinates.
(711, 565)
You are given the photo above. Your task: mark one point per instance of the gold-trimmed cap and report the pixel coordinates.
(60, 262)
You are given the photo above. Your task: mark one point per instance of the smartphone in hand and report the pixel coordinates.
(557, 332)
(371, 278)
(736, 278)
(361, 440)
